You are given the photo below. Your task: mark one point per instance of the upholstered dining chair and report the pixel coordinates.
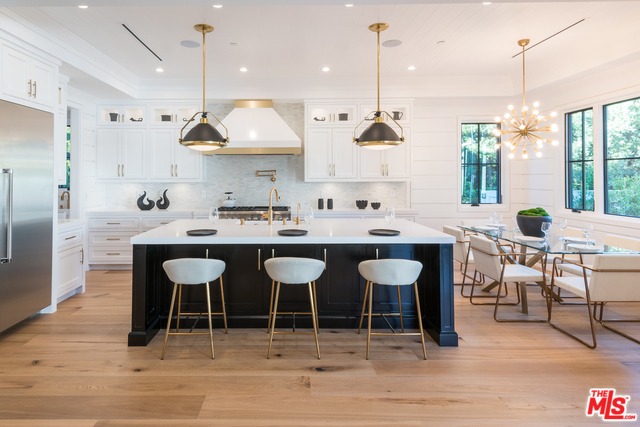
(613, 278)
(501, 267)
(461, 253)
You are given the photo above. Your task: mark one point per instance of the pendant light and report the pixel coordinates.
(379, 135)
(203, 136)
(526, 128)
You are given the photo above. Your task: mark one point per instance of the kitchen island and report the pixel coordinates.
(341, 243)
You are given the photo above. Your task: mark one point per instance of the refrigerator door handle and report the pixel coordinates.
(7, 220)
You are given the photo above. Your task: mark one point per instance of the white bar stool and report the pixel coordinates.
(390, 272)
(292, 270)
(193, 271)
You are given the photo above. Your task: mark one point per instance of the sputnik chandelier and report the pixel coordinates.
(526, 128)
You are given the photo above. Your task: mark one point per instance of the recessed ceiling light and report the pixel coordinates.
(159, 70)
(189, 43)
(411, 68)
(326, 69)
(217, 6)
(243, 69)
(83, 6)
(440, 42)
(348, 5)
(391, 43)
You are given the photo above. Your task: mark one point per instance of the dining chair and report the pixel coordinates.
(502, 267)
(622, 242)
(613, 278)
(461, 253)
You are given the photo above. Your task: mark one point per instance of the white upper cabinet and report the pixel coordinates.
(118, 116)
(170, 161)
(27, 79)
(121, 154)
(330, 155)
(331, 114)
(171, 116)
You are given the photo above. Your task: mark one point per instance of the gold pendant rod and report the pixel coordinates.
(523, 43)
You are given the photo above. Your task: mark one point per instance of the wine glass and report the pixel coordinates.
(546, 226)
(213, 214)
(563, 225)
(587, 231)
(389, 215)
(308, 215)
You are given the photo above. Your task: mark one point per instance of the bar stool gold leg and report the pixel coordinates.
(369, 320)
(166, 334)
(364, 304)
(224, 310)
(314, 318)
(424, 347)
(179, 305)
(315, 301)
(400, 309)
(209, 317)
(273, 319)
(270, 305)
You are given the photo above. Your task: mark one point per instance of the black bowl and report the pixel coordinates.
(361, 204)
(375, 205)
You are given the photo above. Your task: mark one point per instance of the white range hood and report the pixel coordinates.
(255, 128)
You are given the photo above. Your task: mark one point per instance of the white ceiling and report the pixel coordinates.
(459, 48)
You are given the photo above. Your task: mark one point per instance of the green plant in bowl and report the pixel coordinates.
(530, 221)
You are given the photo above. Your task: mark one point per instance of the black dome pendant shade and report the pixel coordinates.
(379, 135)
(203, 136)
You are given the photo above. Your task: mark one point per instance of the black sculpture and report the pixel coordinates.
(145, 206)
(163, 202)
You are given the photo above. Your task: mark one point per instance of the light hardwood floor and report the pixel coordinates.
(74, 369)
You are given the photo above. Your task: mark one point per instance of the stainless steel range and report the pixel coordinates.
(254, 213)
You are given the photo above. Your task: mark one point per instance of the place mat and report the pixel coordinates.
(202, 232)
(573, 239)
(585, 248)
(383, 232)
(530, 239)
(292, 232)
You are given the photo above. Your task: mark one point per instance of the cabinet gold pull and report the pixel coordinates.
(258, 259)
(325, 258)
(376, 253)
(82, 256)
(70, 237)
(273, 253)
(113, 253)
(35, 89)
(176, 169)
(113, 223)
(123, 171)
(113, 238)
(30, 87)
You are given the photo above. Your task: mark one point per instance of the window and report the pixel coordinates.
(67, 183)
(579, 155)
(480, 164)
(622, 158)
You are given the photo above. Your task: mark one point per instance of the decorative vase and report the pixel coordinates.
(145, 206)
(532, 225)
(163, 202)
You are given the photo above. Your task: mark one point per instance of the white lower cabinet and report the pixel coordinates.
(110, 233)
(70, 262)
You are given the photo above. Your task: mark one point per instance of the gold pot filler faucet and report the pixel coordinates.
(270, 212)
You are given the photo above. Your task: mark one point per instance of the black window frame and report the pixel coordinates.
(569, 162)
(606, 158)
(479, 165)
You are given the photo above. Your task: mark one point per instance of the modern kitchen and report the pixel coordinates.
(118, 182)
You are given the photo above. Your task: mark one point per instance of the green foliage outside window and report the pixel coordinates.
(622, 158)
(480, 164)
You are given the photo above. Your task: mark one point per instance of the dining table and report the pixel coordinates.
(534, 250)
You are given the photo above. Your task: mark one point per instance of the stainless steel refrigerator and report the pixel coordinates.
(26, 212)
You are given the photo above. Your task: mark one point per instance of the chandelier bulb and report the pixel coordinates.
(553, 114)
(536, 104)
(510, 108)
(555, 142)
(538, 154)
(554, 127)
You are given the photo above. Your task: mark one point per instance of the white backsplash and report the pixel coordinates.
(237, 173)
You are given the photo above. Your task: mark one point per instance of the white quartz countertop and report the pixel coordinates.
(320, 231)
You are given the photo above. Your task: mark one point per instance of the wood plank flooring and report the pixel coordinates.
(73, 369)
